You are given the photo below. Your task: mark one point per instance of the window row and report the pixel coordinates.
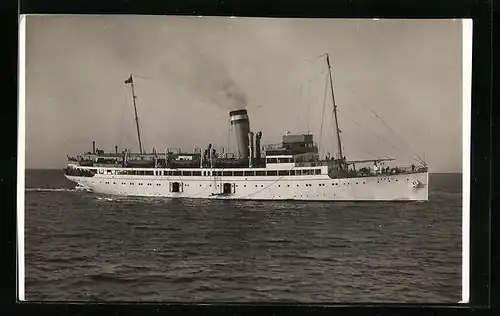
(261, 185)
(128, 172)
(279, 160)
(213, 173)
(131, 183)
(256, 185)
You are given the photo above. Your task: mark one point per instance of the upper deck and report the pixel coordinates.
(296, 152)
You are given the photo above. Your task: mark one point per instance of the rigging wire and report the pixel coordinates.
(143, 142)
(395, 134)
(323, 113)
(144, 107)
(120, 125)
(358, 144)
(309, 108)
(380, 138)
(228, 138)
(402, 142)
(418, 158)
(313, 60)
(375, 134)
(312, 76)
(266, 186)
(297, 124)
(142, 77)
(125, 135)
(372, 133)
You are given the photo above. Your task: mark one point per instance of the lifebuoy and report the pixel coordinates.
(415, 183)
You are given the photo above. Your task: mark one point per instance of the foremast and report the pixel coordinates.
(130, 81)
(340, 156)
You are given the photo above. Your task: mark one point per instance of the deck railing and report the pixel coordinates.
(391, 170)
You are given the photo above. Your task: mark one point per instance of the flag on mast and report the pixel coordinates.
(129, 80)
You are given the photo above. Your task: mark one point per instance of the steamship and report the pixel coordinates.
(291, 170)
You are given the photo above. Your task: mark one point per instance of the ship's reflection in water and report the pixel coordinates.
(83, 246)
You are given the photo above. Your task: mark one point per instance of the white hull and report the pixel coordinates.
(317, 187)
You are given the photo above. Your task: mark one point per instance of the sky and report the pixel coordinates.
(189, 72)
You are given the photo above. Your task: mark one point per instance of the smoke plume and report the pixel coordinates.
(207, 78)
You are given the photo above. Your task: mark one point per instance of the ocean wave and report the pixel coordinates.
(106, 199)
(110, 277)
(50, 190)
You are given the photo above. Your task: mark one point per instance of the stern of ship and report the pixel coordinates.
(79, 176)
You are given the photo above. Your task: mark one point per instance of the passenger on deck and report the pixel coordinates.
(412, 167)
